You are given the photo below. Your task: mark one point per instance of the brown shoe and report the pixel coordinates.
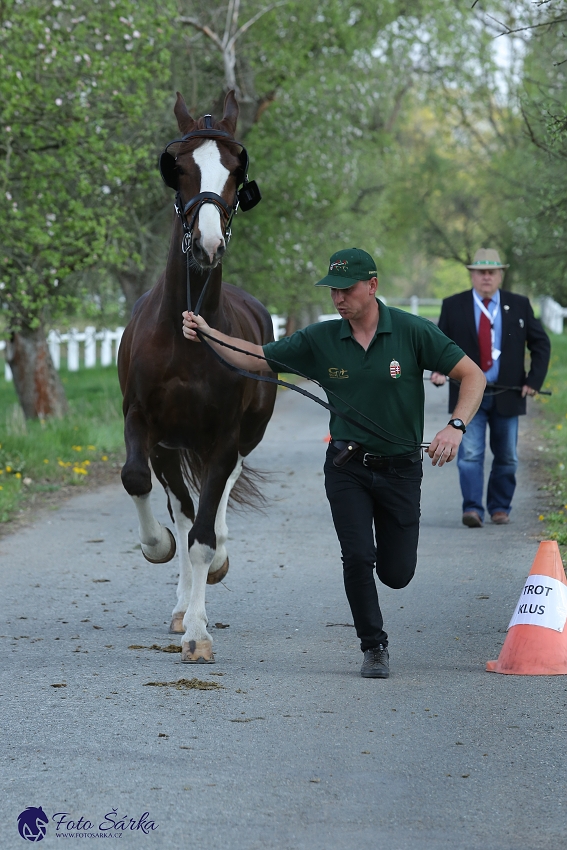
(500, 518)
(472, 520)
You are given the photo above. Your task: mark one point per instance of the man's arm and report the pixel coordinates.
(445, 444)
(540, 351)
(191, 323)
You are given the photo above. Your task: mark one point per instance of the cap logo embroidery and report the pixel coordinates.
(335, 372)
(341, 265)
(395, 369)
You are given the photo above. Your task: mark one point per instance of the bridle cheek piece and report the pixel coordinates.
(246, 197)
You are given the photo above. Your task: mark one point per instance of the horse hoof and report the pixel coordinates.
(218, 575)
(197, 652)
(176, 625)
(170, 554)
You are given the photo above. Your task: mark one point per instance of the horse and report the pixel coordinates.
(186, 413)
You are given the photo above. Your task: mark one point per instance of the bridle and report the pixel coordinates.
(245, 198)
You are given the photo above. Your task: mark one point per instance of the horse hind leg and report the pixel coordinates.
(183, 526)
(219, 565)
(167, 467)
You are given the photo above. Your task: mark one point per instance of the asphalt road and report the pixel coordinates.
(294, 751)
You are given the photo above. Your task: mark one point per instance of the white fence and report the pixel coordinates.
(413, 303)
(552, 314)
(105, 353)
(98, 346)
(279, 323)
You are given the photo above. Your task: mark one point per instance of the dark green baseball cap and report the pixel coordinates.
(347, 267)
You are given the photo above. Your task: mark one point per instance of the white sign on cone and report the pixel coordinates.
(543, 603)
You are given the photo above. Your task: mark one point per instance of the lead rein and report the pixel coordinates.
(500, 387)
(331, 408)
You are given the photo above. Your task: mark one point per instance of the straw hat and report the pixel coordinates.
(487, 258)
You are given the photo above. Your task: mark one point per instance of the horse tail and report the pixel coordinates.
(246, 493)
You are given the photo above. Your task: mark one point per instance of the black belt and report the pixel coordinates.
(379, 461)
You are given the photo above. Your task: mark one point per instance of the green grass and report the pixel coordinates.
(36, 457)
(553, 428)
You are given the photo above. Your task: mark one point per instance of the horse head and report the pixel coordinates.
(206, 169)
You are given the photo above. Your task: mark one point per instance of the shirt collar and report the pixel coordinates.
(495, 298)
(384, 322)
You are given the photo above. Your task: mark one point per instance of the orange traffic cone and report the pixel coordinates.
(538, 650)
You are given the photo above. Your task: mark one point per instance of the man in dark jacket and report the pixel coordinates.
(493, 327)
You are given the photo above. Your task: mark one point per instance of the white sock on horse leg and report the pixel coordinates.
(183, 526)
(221, 527)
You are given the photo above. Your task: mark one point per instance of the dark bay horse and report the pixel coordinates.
(185, 413)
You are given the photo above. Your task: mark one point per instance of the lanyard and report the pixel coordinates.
(491, 317)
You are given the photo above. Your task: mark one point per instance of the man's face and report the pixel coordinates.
(354, 302)
(486, 281)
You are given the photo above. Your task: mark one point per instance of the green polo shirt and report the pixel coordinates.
(385, 382)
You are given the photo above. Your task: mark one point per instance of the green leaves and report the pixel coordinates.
(77, 82)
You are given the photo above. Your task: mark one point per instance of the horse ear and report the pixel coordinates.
(230, 116)
(184, 120)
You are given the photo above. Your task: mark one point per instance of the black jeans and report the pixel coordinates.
(389, 498)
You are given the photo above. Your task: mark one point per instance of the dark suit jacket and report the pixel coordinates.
(519, 328)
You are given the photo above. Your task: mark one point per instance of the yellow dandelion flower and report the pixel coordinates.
(8, 469)
(86, 463)
(104, 457)
(79, 470)
(18, 474)
(91, 448)
(45, 460)
(559, 427)
(1, 488)
(1, 472)
(541, 517)
(77, 448)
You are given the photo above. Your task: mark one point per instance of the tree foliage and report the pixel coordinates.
(77, 82)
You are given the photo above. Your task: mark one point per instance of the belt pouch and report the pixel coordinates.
(345, 454)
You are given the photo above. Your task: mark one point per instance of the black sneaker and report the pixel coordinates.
(376, 664)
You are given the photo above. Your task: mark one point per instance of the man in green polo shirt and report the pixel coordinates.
(371, 363)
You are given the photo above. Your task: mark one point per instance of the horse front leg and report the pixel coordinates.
(157, 541)
(197, 643)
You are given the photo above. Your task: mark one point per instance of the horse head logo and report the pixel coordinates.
(32, 824)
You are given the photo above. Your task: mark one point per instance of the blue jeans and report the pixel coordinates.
(470, 460)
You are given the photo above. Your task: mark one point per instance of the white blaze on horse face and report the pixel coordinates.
(213, 179)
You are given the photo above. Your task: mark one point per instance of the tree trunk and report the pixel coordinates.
(133, 286)
(36, 381)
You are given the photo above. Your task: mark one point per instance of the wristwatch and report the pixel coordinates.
(459, 424)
